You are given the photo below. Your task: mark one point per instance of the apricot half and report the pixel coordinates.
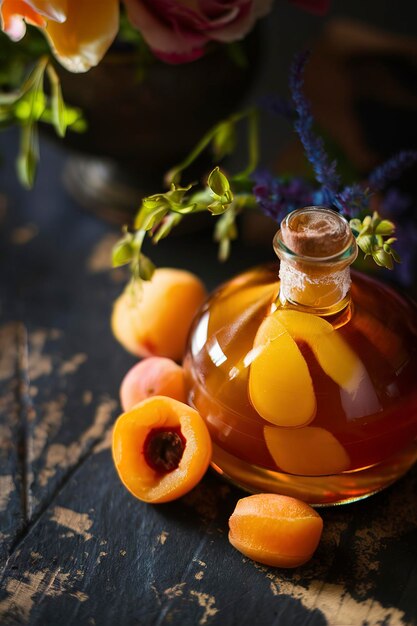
(309, 451)
(275, 530)
(161, 449)
(154, 376)
(280, 385)
(158, 323)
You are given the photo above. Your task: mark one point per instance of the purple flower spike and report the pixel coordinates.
(391, 169)
(325, 170)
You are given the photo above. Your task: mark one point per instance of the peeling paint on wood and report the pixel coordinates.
(60, 456)
(71, 365)
(207, 602)
(79, 523)
(6, 488)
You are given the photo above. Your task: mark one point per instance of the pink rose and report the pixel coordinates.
(178, 30)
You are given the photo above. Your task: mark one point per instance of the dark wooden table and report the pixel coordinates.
(76, 547)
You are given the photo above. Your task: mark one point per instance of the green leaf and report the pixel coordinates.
(356, 225)
(217, 208)
(366, 243)
(385, 228)
(151, 206)
(57, 102)
(203, 196)
(383, 259)
(146, 268)
(218, 182)
(151, 220)
(122, 253)
(224, 250)
(168, 223)
(184, 210)
(395, 255)
(28, 156)
(224, 140)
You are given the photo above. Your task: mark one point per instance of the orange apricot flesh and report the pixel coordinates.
(161, 449)
(309, 451)
(154, 376)
(280, 386)
(275, 530)
(159, 322)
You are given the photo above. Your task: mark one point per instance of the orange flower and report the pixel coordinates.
(79, 31)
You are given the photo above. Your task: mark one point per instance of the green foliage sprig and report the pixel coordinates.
(225, 198)
(374, 238)
(29, 104)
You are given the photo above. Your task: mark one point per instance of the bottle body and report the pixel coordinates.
(325, 409)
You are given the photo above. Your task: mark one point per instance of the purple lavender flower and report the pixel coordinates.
(391, 169)
(352, 200)
(278, 196)
(325, 170)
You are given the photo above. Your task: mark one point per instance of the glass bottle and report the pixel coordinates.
(308, 382)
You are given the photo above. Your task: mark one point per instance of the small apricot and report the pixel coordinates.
(158, 324)
(275, 530)
(154, 376)
(161, 449)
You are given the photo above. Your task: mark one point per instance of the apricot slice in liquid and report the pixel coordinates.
(309, 451)
(280, 385)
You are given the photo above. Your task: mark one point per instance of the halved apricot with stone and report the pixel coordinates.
(275, 530)
(309, 451)
(154, 376)
(157, 324)
(161, 449)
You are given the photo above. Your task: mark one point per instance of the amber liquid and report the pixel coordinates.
(377, 425)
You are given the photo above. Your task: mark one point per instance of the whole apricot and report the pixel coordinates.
(161, 449)
(157, 324)
(154, 376)
(275, 530)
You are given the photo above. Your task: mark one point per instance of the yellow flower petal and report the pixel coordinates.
(82, 40)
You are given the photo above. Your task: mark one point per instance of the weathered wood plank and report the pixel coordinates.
(15, 499)
(99, 556)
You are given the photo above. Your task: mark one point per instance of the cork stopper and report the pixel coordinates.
(315, 232)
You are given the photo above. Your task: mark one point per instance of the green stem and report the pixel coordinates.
(253, 145)
(173, 175)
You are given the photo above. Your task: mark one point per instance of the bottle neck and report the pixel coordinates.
(324, 293)
(316, 247)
